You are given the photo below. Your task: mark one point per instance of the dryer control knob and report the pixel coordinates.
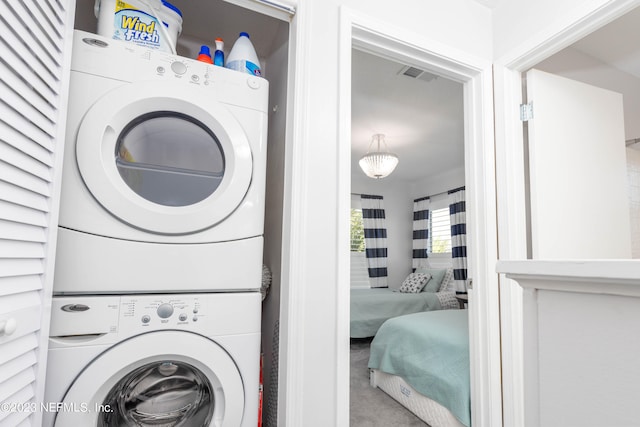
(253, 83)
(165, 310)
(178, 67)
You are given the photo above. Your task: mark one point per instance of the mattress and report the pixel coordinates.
(429, 411)
(371, 307)
(430, 352)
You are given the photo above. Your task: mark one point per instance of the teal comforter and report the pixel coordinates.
(371, 307)
(431, 352)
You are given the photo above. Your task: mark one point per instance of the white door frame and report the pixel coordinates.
(379, 38)
(510, 174)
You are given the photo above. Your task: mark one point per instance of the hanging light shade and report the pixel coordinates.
(378, 164)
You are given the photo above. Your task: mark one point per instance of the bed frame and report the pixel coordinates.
(428, 410)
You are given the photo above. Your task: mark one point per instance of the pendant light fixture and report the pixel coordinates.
(378, 164)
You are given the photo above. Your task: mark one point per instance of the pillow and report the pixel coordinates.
(437, 276)
(448, 284)
(414, 283)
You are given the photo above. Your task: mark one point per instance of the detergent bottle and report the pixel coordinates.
(218, 56)
(243, 56)
(205, 54)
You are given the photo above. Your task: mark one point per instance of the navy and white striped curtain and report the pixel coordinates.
(375, 239)
(458, 219)
(421, 233)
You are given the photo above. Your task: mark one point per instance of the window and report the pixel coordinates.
(440, 231)
(359, 271)
(357, 231)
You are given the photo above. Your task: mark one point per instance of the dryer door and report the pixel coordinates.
(164, 158)
(167, 378)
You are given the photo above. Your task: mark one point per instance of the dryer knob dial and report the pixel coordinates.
(165, 310)
(253, 83)
(178, 67)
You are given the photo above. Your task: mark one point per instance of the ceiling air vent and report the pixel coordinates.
(417, 73)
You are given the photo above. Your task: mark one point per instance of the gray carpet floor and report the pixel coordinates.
(371, 407)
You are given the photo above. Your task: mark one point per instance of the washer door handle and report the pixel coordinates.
(74, 308)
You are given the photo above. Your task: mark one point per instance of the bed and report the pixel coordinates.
(422, 361)
(371, 307)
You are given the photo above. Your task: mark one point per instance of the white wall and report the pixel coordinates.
(438, 184)
(519, 25)
(525, 33)
(464, 25)
(276, 73)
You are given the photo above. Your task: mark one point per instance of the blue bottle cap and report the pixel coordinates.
(204, 50)
(244, 34)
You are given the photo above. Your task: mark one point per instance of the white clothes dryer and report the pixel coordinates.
(164, 173)
(154, 360)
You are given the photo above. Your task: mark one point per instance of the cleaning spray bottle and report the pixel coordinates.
(243, 56)
(218, 56)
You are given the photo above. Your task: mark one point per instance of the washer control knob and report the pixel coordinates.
(146, 318)
(165, 310)
(178, 67)
(182, 317)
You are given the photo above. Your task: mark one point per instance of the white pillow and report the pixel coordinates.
(448, 284)
(414, 283)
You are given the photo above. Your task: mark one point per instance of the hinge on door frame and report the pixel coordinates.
(526, 112)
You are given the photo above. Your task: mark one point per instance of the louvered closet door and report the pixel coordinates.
(35, 44)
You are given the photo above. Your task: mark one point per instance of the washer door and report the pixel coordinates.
(164, 158)
(166, 378)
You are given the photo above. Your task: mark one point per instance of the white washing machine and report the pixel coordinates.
(164, 173)
(154, 360)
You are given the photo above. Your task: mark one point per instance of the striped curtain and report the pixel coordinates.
(420, 232)
(375, 239)
(458, 219)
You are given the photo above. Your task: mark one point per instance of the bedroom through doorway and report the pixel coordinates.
(421, 115)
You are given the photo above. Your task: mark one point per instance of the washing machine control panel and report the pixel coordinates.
(162, 311)
(103, 319)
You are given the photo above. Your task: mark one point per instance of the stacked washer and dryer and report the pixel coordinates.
(156, 308)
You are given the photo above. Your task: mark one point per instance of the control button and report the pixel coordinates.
(178, 67)
(195, 311)
(195, 78)
(195, 318)
(160, 69)
(182, 317)
(165, 310)
(253, 82)
(146, 318)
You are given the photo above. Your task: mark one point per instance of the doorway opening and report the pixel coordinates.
(475, 77)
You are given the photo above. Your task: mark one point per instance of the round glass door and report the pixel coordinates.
(163, 378)
(167, 159)
(167, 393)
(170, 159)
